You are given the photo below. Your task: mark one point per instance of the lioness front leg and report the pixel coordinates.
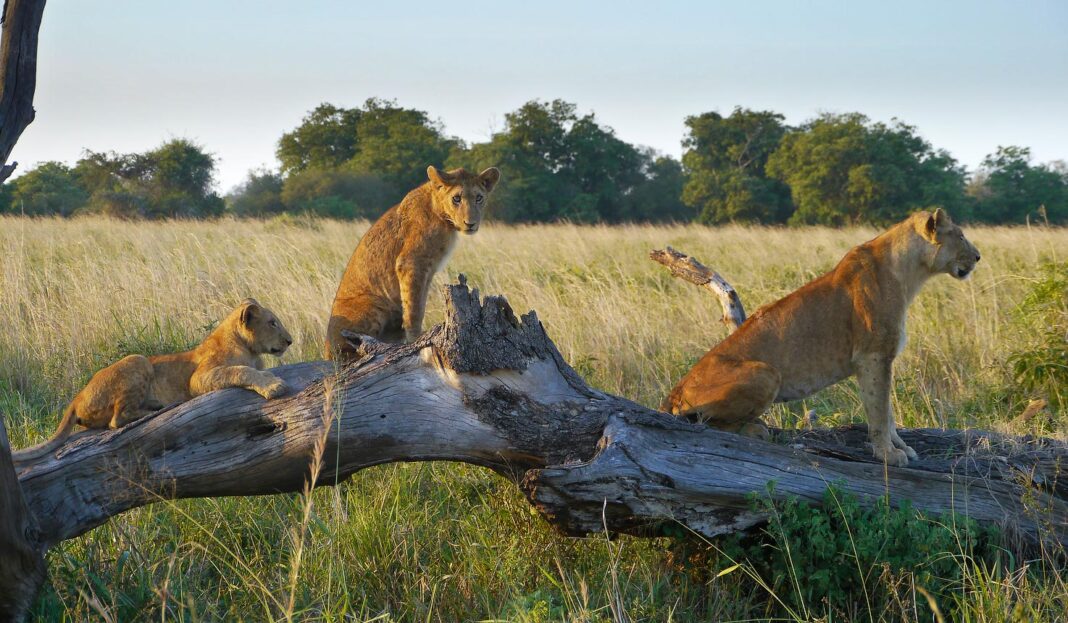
(263, 383)
(873, 375)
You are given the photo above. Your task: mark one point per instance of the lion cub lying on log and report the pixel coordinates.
(850, 321)
(383, 291)
(135, 386)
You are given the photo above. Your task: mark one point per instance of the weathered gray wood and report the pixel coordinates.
(22, 565)
(649, 472)
(18, 62)
(689, 269)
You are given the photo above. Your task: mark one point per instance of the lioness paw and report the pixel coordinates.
(273, 389)
(892, 456)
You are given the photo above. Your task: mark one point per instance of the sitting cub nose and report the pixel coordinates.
(977, 257)
(289, 341)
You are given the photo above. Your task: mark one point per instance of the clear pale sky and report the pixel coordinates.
(233, 75)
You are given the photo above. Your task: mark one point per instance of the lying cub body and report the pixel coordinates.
(136, 385)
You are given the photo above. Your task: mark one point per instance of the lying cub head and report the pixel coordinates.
(460, 197)
(953, 253)
(259, 327)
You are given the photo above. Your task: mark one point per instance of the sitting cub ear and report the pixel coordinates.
(489, 178)
(437, 178)
(249, 309)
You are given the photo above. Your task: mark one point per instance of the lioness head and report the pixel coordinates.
(953, 253)
(261, 329)
(460, 197)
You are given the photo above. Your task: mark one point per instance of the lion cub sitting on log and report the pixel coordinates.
(135, 386)
(384, 288)
(850, 321)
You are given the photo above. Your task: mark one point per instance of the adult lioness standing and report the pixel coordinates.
(384, 288)
(850, 321)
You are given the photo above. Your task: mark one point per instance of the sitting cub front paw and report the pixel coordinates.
(273, 389)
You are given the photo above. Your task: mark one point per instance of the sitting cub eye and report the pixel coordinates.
(456, 199)
(274, 323)
(478, 198)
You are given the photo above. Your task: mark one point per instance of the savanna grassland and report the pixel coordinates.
(443, 542)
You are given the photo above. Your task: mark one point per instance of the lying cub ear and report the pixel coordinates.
(489, 178)
(249, 310)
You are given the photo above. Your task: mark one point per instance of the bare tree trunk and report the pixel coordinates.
(22, 565)
(18, 61)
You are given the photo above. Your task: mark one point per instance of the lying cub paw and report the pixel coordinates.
(273, 389)
(892, 456)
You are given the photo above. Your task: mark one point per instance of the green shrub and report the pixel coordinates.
(841, 559)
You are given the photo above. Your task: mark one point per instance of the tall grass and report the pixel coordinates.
(442, 542)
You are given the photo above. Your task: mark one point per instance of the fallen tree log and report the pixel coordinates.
(489, 389)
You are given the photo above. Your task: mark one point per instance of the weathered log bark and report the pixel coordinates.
(22, 565)
(489, 389)
(689, 269)
(18, 62)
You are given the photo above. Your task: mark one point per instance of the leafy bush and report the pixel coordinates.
(843, 559)
(1042, 366)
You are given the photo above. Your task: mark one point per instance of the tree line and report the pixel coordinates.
(748, 166)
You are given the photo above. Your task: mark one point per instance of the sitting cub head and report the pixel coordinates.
(260, 329)
(460, 197)
(954, 254)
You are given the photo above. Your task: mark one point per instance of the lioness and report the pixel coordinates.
(383, 291)
(849, 321)
(136, 385)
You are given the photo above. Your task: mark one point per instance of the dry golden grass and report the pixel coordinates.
(77, 294)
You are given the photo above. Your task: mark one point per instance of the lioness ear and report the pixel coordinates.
(941, 219)
(250, 308)
(489, 178)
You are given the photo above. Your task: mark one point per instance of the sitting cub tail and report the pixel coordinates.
(66, 426)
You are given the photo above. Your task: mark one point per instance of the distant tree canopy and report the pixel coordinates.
(557, 163)
(1008, 185)
(844, 169)
(726, 159)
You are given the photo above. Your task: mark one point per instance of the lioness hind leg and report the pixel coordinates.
(728, 394)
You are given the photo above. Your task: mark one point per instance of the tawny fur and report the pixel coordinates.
(383, 291)
(848, 322)
(136, 386)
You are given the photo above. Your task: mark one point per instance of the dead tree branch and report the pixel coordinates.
(689, 269)
(18, 62)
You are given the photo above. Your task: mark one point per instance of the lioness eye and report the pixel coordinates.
(456, 199)
(478, 198)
